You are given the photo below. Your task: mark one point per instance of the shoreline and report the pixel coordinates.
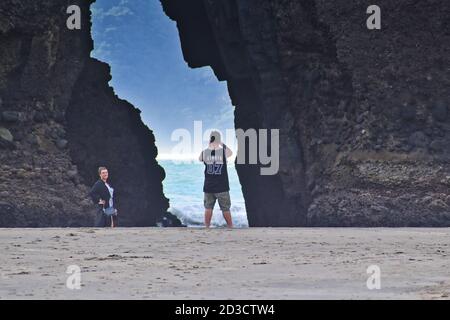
(247, 263)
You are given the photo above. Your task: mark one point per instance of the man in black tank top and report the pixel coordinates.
(216, 186)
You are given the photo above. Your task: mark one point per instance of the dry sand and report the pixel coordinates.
(194, 263)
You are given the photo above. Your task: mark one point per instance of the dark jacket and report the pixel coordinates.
(100, 191)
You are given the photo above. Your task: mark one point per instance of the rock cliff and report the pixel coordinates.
(59, 121)
(364, 115)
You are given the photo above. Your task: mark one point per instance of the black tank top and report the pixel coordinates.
(216, 175)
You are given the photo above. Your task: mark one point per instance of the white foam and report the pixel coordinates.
(193, 216)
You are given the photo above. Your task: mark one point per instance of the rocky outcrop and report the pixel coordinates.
(364, 115)
(59, 120)
(103, 129)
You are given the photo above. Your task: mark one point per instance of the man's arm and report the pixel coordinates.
(228, 151)
(200, 157)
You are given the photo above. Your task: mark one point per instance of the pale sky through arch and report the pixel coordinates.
(142, 46)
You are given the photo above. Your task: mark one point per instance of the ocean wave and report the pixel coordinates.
(194, 216)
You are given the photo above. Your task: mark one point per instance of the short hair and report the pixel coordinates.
(215, 136)
(100, 169)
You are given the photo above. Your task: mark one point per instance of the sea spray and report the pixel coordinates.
(184, 187)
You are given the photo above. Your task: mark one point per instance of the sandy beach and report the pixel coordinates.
(194, 263)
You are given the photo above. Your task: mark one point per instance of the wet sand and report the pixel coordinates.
(194, 263)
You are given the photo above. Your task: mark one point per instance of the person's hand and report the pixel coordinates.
(116, 213)
(102, 202)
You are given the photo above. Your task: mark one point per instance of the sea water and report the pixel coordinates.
(184, 188)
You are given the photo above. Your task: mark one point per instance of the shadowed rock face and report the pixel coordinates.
(103, 129)
(364, 116)
(59, 120)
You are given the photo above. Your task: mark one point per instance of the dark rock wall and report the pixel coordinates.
(102, 129)
(59, 121)
(364, 116)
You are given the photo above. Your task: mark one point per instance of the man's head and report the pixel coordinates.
(103, 173)
(215, 137)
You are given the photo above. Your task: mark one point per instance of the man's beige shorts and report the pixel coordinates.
(222, 197)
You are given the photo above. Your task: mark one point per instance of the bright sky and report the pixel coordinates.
(143, 48)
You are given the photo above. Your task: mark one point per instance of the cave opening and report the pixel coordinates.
(181, 105)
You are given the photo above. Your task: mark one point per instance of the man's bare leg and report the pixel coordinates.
(227, 217)
(208, 216)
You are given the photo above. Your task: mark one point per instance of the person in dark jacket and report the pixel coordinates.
(102, 194)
